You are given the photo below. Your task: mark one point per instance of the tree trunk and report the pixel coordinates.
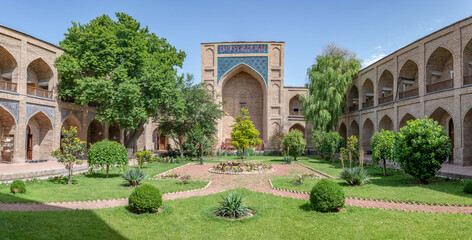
(69, 181)
(244, 153)
(385, 167)
(107, 170)
(131, 139)
(332, 157)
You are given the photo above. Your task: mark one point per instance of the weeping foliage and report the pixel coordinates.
(329, 79)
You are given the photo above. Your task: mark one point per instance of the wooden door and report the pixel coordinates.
(29, 144)
(162, 143)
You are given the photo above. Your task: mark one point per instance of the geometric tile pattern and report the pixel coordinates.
(31, 109)
(11, 106)
(242, 48)
(227, 63)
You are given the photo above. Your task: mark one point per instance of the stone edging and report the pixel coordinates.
(317, 171)
(378, 200)
(170, 170)
(192, 190)
(242, 173)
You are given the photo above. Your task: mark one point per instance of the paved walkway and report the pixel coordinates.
(10, 172)
(223, 182)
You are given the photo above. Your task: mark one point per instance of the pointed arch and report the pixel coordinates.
(159, 141)
(367, 93)
(94, 132)
(295, 105)
(40, 136)
(343, 132)
(409, 80)
(467, 139)
(439, 70)
(444, 119)
(386, 123)
(7, 133)
(242, 67)
(353, 98)
(385, 87)
(72, 121)
(368, 129)
(354, 129)
(8, 66)
(405, 120)
(299, 127)
(467, 63)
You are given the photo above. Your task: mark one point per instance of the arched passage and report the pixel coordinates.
(8, 65)
(467, 138)
(405, 120)
(353, 101)
(409, 80)
(298, 127)
(72, 121)
(294, 105)
(467, 61)
(386, 123)
(7, 135)
(385, 87)
(439, 70)
(367, 132)
(159, 141)
(343, 132)
(39, 137)
(243, 87)
(367, 93)
(114, 133)
(94, 132)
(354, 129)
(444, 119)
(39, 75)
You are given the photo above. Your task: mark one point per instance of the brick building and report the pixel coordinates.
(429, 77)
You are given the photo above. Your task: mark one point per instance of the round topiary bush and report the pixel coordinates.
(421, 147)
(327, 196)
(18, 186)
(468, 187)
(107, 153)
(145, 199)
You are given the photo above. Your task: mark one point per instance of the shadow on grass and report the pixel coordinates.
(56, 223)
(307, 207)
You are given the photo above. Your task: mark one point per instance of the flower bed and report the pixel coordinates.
(171, 176)
(242, 168)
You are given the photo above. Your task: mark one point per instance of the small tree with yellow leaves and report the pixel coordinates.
(244, 133)
(71, 148)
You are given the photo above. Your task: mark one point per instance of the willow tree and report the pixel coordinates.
(124, 70)
(329, 79)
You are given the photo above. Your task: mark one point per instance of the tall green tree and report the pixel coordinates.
(122, 68)
(244, 134)
(329, 79)
(199, 111)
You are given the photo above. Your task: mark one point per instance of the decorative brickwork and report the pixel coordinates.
(10, 106)
(243, 48)
(31, 109)
(257, 63)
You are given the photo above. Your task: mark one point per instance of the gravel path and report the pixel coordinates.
(223, 182)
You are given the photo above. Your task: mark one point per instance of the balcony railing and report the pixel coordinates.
(409, 93)
(353, 108)
(437, 86)
(39, 92)
(367, 104)
(467, 80)
(7, 86)
(386, 99)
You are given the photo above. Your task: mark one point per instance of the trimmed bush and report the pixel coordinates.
(468, 187)
(145, 199)
(327, 196)
(294, 144)
(134, 176)
(421, 147)
(18, 186)
(355, 176)
(107, 153)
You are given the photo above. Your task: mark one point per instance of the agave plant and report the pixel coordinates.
(355, 176)
(232, 206)
(134, 176)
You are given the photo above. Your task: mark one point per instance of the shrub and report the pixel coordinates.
(421, 147)
(143, 156)
(18, 186)
(71, 148)
(298, 180)
(134, 176)
(145, 199)
(232, 206)
(331, 142)
(185, 179)
(294, 144)
(383, 147)
(288, 159)
(355, 176)
(327, 196)
(107, 153)
(353, 147)
(468, 187)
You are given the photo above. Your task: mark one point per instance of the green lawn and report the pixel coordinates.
(277, 218)
(396, 186)
(96, 186)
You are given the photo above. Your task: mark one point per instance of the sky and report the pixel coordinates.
(372, 29)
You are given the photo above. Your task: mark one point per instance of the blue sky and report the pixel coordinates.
(372, 29)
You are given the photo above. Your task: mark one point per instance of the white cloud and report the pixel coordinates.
(373, 58)
(378, 48)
